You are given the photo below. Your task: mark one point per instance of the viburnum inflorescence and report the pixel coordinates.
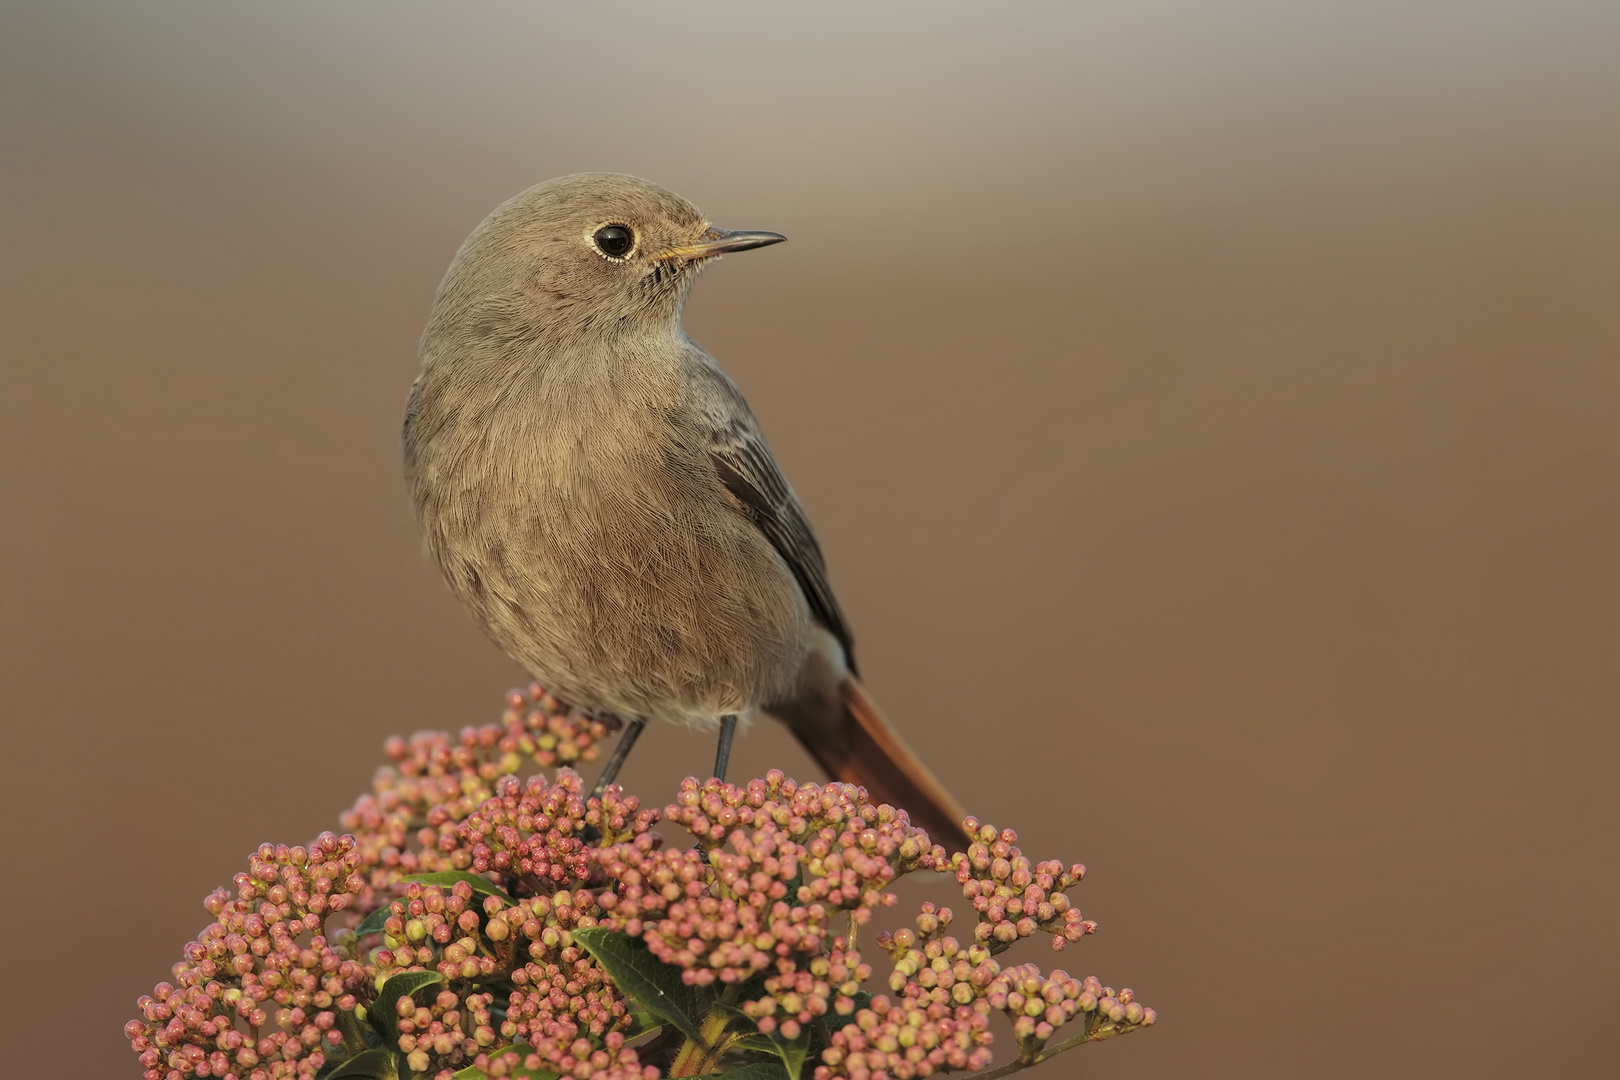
(479, 924)
(263, 991)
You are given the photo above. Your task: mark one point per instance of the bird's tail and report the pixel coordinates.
(841, 727)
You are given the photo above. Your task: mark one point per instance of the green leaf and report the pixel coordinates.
(371, 1065)
(383, 1014)
(641, 1023)
(761, 1044)
(792, 1052)
(653, 984)
(446, 879)
(758, 1070)
(373, 923)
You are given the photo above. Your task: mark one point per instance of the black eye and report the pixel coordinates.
(615, 240)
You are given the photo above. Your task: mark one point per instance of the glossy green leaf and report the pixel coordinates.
(791, 1051)
(371, 1065)
(373, 923)
(756, 1042)
(651, 983)
(758, 1070)
(383, 1014)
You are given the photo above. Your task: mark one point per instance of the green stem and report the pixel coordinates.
(353, 1039)
(1079, 1040)
(1020, 1063)
(699, 1056)
(683, 1064)
(711, 1060)
(1016, 1065)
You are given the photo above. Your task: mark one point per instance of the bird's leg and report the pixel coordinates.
(722, 753)
(615, 760)
(722, 758)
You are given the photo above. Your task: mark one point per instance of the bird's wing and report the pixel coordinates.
(745, 466)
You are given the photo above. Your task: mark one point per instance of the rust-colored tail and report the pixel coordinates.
(848, 737)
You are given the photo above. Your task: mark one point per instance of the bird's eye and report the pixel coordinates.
(615, 240)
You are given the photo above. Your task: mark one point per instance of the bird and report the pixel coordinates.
(598, 493)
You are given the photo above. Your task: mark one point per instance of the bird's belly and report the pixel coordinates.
(653, 603)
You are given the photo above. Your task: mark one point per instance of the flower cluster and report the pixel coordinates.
(432, 928)
(795, 998)
(580, 1059)
(514, 926)
(894, 1040)
(561, 1005)
(945, 991)
(262, 993)
(532, 836)
(1040, 1004)
(406, 824)
(798, 854)
(1013, 898)
(450, 1028)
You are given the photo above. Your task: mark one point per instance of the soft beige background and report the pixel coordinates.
(1209, 411)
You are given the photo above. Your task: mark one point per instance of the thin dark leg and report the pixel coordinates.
(722, 758)
(722, 753)
(615, 760)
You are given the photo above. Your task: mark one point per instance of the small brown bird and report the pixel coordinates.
(598, 492)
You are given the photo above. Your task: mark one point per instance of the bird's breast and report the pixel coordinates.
(592, 539)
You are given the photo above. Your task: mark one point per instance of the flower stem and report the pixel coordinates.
(699, 1056)
(685, 1063)
(1016, 1065)
(1089, 1035)
(1021, 1063)
(349, 1024)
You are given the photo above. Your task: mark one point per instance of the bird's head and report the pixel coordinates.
(587, 255)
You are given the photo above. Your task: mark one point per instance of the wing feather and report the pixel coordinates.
(745, 466)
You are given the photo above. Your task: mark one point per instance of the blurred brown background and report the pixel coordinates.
(1209, 412)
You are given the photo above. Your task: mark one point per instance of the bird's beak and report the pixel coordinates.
(720, 241)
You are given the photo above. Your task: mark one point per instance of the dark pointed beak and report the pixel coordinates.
(720, 241)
